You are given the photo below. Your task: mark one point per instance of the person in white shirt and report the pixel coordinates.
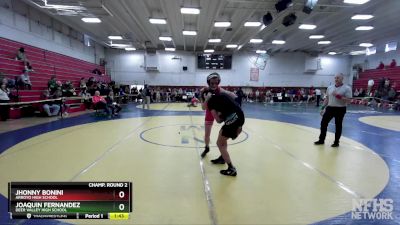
(25, 80)
(318, 95)
(4, 98)
(334, 106)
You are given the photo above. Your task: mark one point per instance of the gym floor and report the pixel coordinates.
(282, 177)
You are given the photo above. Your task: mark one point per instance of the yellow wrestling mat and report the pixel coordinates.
(282, 177)
(386, 122)
(172, 107)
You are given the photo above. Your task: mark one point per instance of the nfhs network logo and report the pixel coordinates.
(372, 209)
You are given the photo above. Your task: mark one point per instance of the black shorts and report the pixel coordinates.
(232, 124)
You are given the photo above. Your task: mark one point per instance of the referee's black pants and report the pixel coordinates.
(338, 114)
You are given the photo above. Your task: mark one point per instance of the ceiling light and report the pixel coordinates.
(217, 40)
(357, 52)
(364, 28)
(190, 11)
(222, 24)
(115, 37)
(231, 46)
(261, 51)
(209, 50)
(316, 36)
(371, 51)
(358, 2)
(252, 24)
(332, 53)
(278, 42)
(170, 49)
(120, 45)
(91, 20)
(189, 32)
(165, 38)
(256, 41)
(362, 17)
(307, 26)
(130, 49)
(324, 42)
(366, 45)
(157, 21)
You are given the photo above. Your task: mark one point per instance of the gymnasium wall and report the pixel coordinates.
(22, 23)
(284, 69)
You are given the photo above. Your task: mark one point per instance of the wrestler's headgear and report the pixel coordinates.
(212, 76)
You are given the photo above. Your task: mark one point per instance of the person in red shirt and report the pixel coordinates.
(100, 103)
(381, 66)
(393, 64)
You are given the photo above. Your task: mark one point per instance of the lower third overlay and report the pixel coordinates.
(70, 200)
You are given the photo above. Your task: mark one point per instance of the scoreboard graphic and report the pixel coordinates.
(70, 200)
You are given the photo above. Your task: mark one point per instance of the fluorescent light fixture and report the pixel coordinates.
(358, 52)
(222, 24)
(316, 36)
(216, 40)
(307, 26)
(278, 42)
(332, 53)
(231, 46)
(209, 50)
(189, 32)
(120, 45)
(367, 45)
(392, 46)
(190, 11)
(357, 2)
(115, 37)
(261, 51)
(170, 49)
(165, 38)
(252, 24)
(364, 28)
(371, 51)
(91, 20)
(157, 21)
(130, 49)
(362, 17)
(256, 41)
(324, 42)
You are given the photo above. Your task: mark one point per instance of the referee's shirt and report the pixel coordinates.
(343, 90)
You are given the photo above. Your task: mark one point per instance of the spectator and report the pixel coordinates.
(86, 98)
(146, 96)
(240, 96)
(391, 94)
(100, 103)
(21, 56)
(82, 84)
(51, 108)
(68, 89)
(4, 98)
(111, 104)
(52, 85)
(381, 66)
(24, 81)
(10, 83)
(96, 71)
(318, 95)
(393, 64)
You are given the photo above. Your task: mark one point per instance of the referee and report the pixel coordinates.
(334, 106)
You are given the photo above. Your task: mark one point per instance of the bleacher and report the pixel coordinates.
(45, 65)
(393, 74)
